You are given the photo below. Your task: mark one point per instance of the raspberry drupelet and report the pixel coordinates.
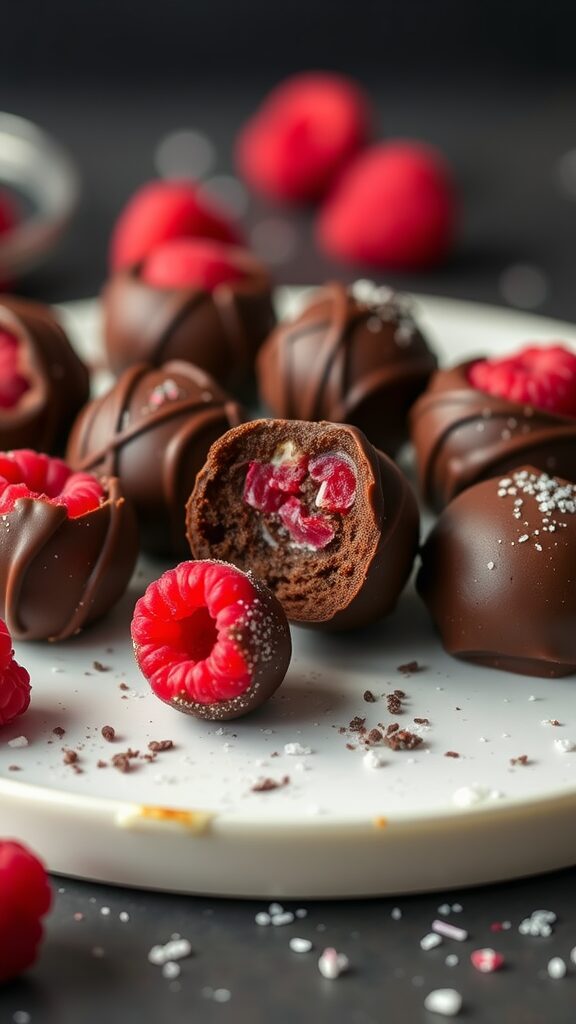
(14, 681)
(25, 898)
(211, 640)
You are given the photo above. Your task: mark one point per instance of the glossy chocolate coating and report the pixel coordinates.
(359, 576)
(58, 574)
(220, 331)
(153, 429)
(59, 380)
(498, 577)
(462, 435)
(353, 355)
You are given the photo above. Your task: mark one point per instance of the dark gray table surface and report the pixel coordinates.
(506, 140)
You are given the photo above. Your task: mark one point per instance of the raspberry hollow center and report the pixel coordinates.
(198, 634)
(28, 474)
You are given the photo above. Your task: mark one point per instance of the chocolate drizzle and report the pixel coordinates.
(462, 435)
(156, 451)
(352, 355)
(219, 331)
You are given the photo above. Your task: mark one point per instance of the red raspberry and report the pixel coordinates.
(540, 376)
(394, 207)
(25, 897)
(14, 681)
(188, 262)
(307, 129)
(28, 474)
(162, 210)
(12, 383)
(210, 639)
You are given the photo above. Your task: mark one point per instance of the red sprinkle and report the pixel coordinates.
(486, 960)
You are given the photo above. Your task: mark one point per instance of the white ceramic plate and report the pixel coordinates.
(191, 822)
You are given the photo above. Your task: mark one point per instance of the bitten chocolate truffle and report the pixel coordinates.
(329, 523)
(462, 435)
(353, 355)
(153, 430)
(68, 546)
(498, 574)
(211, 640)
(43, 383)
(195, 300)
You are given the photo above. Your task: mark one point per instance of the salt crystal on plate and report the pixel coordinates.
(445, 1001)
(556, 968)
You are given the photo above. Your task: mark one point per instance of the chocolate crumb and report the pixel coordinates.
(393, 727)
(523, 759)
(394, 704)
(59, 732)
(101, 764)
(123, 686)
(156, 746)
(451, 753)
(70, 756)
(400, 694)
(357, 724)
(409, 667)
(14, 768)
(554, 721)
(374, 736)
(369, 697)
(109, 733)
(99, 667)
(267, 785)
(350, 746)
(422, 721)
(403, 739)
(342, 730)
(121, 762)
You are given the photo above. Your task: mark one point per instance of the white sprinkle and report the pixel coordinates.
(430, 941)
(105, 911)
(221, 995)
(396, 914)
(449, 931)
(444, 909)
(452, 960)
(556, 968)
(538, 547)
(176, 949)
(296, 749)
(170, 970)
(483, 739)
(544, 915)
(457, 908)
(468, 796)
(302, 912)
(490, 565)
(19, 741)
(445, 1001)
(124, 916)
(532, 697)
(565, 746)
(275, 908)
(300, 945)
(523, 538)
(281, 919)
(372, 760)
(21, 1017)
(262, 918)
(332, 964)
(573, 955)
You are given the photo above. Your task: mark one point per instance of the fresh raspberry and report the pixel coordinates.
(28, 474)
(543, 376)
(302, 136)
(162, 210)
(204, 632)
(13, 384)
(189, 262)
(25, 897)
(394, 207)
(9, 212)
(14, 681)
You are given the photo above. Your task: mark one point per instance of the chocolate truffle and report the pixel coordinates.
(211, 640)
(153, 429)
(216, 322)
(462, 435)
(328, 522)
(498, 574)
(43, 383)
(68, 546)
(353, 355)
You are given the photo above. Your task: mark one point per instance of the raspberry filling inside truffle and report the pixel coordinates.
(13, 384)
(191, 263)
(540, 376)
(187, 633)
(28, 474)
(286, 492)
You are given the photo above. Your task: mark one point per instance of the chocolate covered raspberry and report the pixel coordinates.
(211, 640)
(327, 521)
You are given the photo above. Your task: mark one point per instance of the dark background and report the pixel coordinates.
(493, 84)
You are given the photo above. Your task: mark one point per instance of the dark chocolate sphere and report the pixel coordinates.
(498, 574)
(462, 435)
(153, 430)
(353, 355)
(313, 509)
(43, 382)
(218, 330)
